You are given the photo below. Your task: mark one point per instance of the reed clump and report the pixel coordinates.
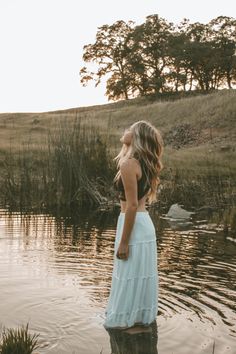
(71, 169)
(229, 221)
(65, 158)
(74, 168)
(233, 221)
(194, 189)
(18, 341)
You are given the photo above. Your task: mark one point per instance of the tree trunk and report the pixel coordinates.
(228, 79)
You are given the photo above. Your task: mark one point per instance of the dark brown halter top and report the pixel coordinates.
(143, 186)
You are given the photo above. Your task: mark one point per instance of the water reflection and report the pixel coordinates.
(135, 343)
(55, 271)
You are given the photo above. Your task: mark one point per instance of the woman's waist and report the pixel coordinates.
(142, 213)
(141, 207)
(143, 229)
(145, 211)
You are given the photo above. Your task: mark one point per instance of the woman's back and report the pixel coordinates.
(143, 185)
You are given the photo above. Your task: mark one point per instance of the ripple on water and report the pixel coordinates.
(57, 275)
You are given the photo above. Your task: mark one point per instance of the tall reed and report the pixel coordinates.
(18, 341)
(71, 168)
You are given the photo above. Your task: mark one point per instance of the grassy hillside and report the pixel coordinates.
(49, 157)
(191, 127)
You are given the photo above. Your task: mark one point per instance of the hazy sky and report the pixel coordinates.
(42, 45)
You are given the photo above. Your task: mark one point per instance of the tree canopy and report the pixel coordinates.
(158, 56)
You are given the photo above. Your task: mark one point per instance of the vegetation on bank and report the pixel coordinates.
(63, 159)
(70, 169)
(18, 341)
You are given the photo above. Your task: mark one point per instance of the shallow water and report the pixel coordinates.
(55, 273)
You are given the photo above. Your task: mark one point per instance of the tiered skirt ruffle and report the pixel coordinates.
(133, 295)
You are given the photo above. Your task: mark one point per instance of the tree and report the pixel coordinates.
(157, 57)
(148, 54)
(109, 53)
(180, 73)
(225, 38)
(201, 54)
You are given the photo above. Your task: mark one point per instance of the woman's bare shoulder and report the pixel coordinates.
(130, 165)
(129, 161)
(131, 158)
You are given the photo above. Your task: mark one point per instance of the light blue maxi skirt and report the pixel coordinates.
(133, 295)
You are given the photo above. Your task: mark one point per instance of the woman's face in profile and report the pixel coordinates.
(127, 136)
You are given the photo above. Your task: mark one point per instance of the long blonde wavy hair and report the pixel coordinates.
(147, 147)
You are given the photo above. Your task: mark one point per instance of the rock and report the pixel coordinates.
(35, 121)
(225, 148)
(177, 212)
(182, 135)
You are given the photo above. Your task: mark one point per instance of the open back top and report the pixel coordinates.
(143, 185)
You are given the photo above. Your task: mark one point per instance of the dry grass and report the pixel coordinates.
(216, 111)
(25, 135)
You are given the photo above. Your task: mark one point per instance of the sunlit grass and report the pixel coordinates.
(65, 157)
(71, 167)
(215, 112)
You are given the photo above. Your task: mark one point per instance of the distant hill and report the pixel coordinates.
(199, 134)
(202, 120)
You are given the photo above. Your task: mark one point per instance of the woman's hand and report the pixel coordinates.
(123, 251)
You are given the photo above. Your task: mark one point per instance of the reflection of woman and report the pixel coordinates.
(134, 287)
(141, 343)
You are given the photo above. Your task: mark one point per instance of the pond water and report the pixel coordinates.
(55, 273)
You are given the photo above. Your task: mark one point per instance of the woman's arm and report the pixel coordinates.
(128, 170)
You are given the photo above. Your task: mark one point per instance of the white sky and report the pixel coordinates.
(42, 43)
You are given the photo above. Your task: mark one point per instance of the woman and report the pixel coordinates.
(134, 287)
